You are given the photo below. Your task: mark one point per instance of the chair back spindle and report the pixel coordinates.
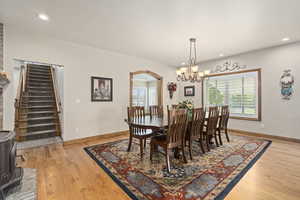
(136, 113)
(198, 118)
(224, 117)
(156, 111)
(212, 120)
(177, 127)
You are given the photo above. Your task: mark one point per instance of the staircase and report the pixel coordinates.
(36, 107)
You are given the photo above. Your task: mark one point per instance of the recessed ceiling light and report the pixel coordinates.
(43, 17)
(183, 63)
(221, 55)
(285, 39)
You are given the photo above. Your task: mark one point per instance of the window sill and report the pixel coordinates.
(246, 118)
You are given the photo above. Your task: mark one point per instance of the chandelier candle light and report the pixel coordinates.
(191, 72)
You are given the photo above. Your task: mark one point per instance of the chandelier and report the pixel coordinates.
(191, 73)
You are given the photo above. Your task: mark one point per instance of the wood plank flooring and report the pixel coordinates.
(68, 173)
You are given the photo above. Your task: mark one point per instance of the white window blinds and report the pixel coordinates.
(239, 91)
(139, 96)
(144, 93)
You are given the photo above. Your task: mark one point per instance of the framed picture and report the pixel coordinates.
(102, 89)
(189, 91)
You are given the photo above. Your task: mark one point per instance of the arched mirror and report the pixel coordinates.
(145, 89)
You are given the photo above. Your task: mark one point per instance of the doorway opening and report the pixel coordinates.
(145, 89)
(39, 104)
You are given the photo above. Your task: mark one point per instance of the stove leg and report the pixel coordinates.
(22, 158)
(2, 197)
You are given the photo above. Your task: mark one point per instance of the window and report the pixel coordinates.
(139, 96)
(152, 95)
(239, 90)
(144, 93)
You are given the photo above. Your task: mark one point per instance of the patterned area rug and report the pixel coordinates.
(27, 189)
(208, 176)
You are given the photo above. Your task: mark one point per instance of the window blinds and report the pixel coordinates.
(239, 91)
(144, 94)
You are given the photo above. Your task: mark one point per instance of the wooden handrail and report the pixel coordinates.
(24, 78)
(55, 84)
(18, 102)
(20, 86)
(57, 99)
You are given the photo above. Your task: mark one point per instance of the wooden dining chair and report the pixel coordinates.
(140, 132)
(211, 127)
(136, 112)
(195, 129)
(223, 122)
(156, 111)
(174, 137)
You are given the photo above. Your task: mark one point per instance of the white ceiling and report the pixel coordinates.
(159, 29)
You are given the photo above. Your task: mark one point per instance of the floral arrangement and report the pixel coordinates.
(172, 88)
(186, 104)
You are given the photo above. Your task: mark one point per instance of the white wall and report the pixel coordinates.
(82, 118)
(196, 99)
(279, 117)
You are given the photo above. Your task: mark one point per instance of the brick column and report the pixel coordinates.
(1, 68)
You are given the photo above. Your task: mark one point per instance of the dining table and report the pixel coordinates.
(154, 123)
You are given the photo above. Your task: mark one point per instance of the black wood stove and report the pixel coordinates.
(10, 175)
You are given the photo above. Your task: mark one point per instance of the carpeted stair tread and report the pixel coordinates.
(39, 80)
(39, 91)
(41, 106)
(38, 77)
(36, 96)
(31, 73)
(42, 74)
(40, 112)
(39, 88)
(40, 94)
(39, 69)
(42, 101)
(41, 132)
(48, 72)
(38, 84)
(38, 118)
(39, 125)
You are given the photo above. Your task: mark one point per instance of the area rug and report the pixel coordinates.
(208, 176)
(27, 189)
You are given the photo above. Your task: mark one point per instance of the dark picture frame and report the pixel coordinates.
(189, 91)
(101, 89)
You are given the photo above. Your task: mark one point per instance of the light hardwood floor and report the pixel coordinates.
(68, 173)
